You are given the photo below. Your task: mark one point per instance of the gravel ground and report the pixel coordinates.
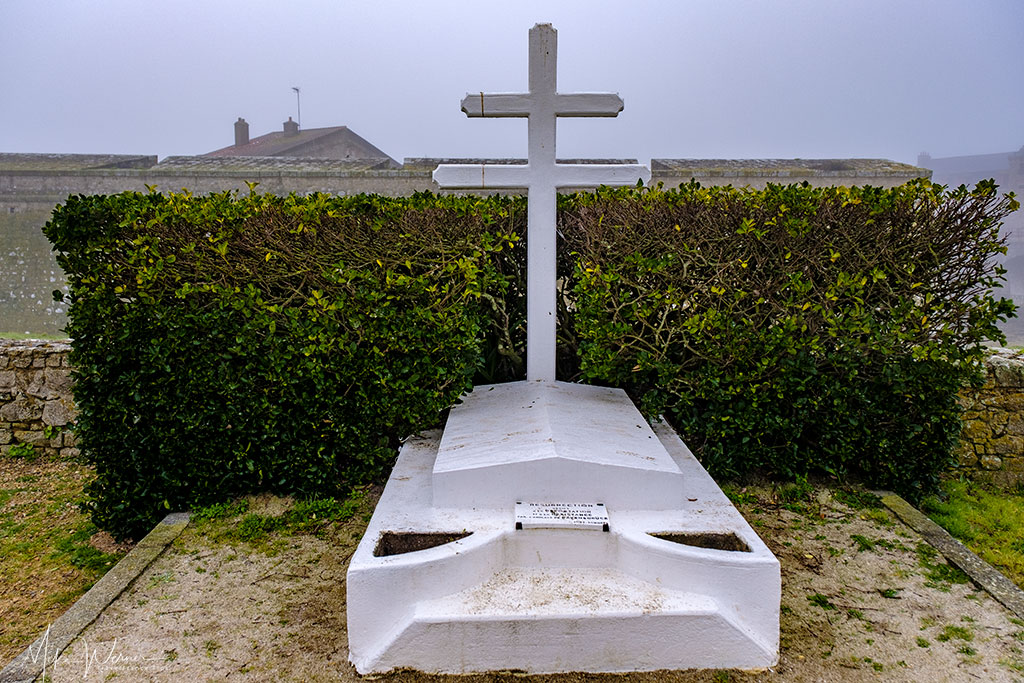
(864, 599)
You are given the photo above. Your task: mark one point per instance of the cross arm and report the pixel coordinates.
(496, 105)
(592, 175)
(520, 104)
(588, 104)
(481, 176)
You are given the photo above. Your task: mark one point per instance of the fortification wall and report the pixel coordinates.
(42, 188)
(52, 187)
(37, 406)
(762, 180)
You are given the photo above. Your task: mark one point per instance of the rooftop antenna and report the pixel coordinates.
(298, 106)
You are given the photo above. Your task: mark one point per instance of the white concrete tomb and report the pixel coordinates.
(444, 581)
(549, 527)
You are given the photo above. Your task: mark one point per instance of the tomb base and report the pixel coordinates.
(446, 586)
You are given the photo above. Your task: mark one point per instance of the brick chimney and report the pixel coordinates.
(290, 128)
(241, 132)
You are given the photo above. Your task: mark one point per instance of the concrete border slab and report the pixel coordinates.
(985, 575)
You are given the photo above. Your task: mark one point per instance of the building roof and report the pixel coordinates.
(307, 143)
(258, 163)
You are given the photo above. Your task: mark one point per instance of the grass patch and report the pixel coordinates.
(236, 521)
(46, 545)
(75, 549)
(988, 521)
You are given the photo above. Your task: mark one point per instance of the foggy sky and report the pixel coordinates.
(707, 79)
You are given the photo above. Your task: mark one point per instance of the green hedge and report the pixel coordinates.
(793, 329)
(230, 344)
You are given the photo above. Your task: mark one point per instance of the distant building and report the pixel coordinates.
(338, 142)
(1006, 168)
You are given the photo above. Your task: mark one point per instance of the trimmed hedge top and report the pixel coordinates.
(227, 344)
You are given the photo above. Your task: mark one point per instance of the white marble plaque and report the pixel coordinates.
(591, 516)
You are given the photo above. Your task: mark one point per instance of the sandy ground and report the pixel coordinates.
(863, 600)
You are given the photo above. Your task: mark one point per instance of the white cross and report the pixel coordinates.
(542, 177)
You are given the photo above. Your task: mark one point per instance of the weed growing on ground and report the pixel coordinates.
(879, 516)
(739, 495)
(796, 496)
(858, 499)
(821, 601)
(938, 573)
(21, 450)
(951, 632)
(1012, 665)
(220, 511)
(863, 543)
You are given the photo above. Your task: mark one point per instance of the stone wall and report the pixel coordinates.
(36, 405)
(52, 187)
(992, 441)
(40, 181)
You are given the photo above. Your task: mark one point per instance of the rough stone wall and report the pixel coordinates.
(37, 408)
(36, 405)
(992, 441)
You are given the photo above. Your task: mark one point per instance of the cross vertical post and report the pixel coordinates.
(541, 177)
(542, 209)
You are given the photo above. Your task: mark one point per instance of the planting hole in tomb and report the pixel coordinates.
(401, 542)
(707, 539)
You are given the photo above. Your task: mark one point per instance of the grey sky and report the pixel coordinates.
(715, 78)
